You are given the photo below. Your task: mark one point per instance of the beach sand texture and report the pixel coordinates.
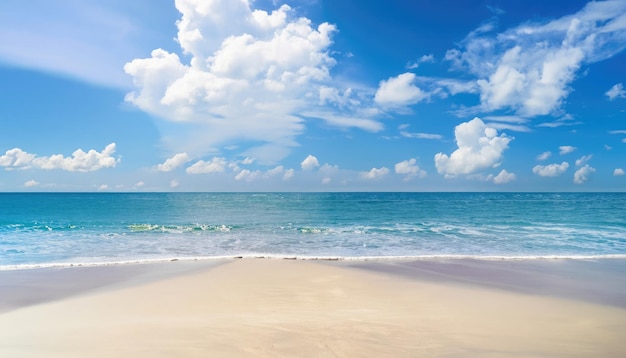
(294, 308)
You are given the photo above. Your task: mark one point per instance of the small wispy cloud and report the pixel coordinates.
(566, 149)
(411, 65)
(544, 155)
(405, 133)
(617, 91)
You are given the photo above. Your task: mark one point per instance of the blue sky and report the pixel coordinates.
(306, 95)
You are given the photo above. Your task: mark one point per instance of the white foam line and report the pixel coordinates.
(107, 263)
(307, 258)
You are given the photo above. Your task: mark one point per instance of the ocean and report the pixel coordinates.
(64, 229)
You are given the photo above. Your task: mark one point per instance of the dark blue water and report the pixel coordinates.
(63, 228)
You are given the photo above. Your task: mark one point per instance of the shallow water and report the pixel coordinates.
(47, 229)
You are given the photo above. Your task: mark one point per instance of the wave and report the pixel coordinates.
(424, 230)
(178, 228)
(38, 227)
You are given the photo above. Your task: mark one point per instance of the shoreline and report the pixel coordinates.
(59, 265)
(272, 307)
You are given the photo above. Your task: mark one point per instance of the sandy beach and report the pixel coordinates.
(296, 308)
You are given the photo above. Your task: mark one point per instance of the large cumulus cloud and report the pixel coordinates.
(479, 148)
(250, 75)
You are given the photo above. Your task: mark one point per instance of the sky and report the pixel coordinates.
(312, 95)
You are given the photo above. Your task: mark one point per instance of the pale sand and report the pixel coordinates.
(285, 308)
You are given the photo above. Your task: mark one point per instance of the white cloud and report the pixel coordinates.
(582, 160)
(31, 183)
(289, 173)
(561, 122)
(16, 158)
(251, 76)
(409, 168)
(566, 149)
(444, 87)
(510, 127)
(286, 174)
(617, 91)
(411, 65)
(80, 161)
(529, 68)
(375, 173)
(216, 165)
(234, 165)
(247, 175)
(544, 155)
(513, 123)
(173, 162)
(346, 108)
(504, 177)
(506, 119)
(174, 183)
(531, 87)
(421, 135)
(427, 58)
(342, 99)
(551, 170)
(403, 132)
(139, 184)
(326, 180)
(582, 174)
(618, 172)
(399, 91)
(479, 147)
(275, 171)
(247, 161)
(103, 187)
(346, 121)
(310, 163)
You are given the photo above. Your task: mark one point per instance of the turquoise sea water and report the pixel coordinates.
(50, 229)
